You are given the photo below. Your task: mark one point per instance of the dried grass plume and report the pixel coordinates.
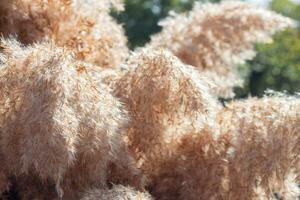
(56, 122)
(216, 38)
(163, 96)
(83, 26)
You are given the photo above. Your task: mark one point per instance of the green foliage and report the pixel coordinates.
(287, 8)
(277, 65)
(140, 17)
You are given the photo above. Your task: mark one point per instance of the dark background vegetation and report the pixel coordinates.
(276, 65)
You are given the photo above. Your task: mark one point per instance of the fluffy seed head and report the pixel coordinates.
(55, 121)
(162, 95)
(216, 38)
(83, 26)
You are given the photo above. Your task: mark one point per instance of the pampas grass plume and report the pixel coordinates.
(55, 121)
(83, 26)
(216, 38)
(162, 95)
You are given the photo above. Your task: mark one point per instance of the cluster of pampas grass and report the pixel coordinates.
(171, 142)
(94, 36)
(217, 38)
(77, 122)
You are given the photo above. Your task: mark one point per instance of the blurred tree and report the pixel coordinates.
(277, 65)
(140, 17)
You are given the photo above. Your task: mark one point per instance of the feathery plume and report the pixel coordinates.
(166, 100)
(91, 33)
(216, 38)
(265, 144)
(164, 97)
(56, 122)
